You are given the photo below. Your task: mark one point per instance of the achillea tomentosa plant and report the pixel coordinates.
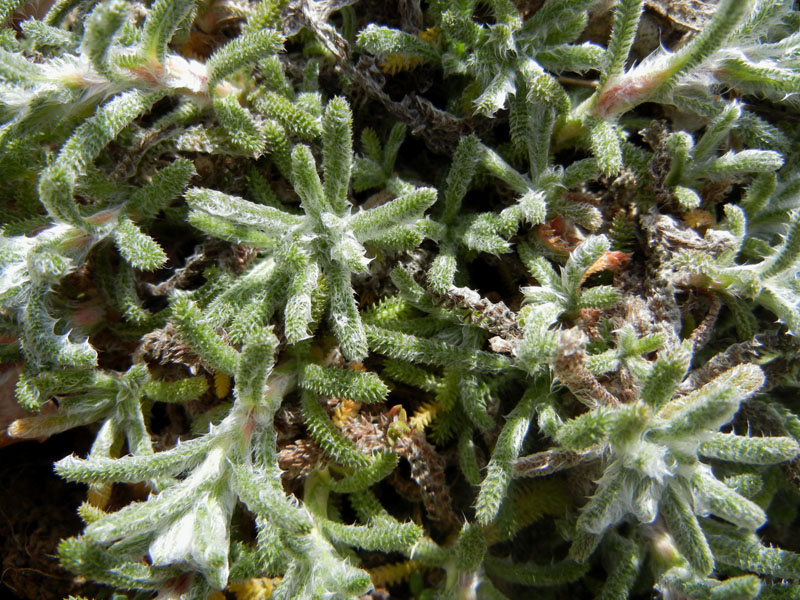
(185, 221)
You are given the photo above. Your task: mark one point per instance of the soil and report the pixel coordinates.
(37, 510)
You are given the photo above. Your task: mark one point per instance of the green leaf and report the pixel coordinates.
(241, 52)
(604, 139)
(164, 187)
(581, 260)
(750, 555)
(240, 125)
(384, 41)
(431, 352)
(296, 120)
(494, 487)
(298, 312)
(716, 131)
(179, 391)
(337, 155)
(344, 317)
(408, 208)
(327, 435)
(749, 450)
(666, 374)
(49, 37)
(254, 366)
(100, 28)
(606, 507)
(377, 536)
(462, 170)
(535, 575)
(442, 273)
(383, 464)
(723, 502)
(627, 559)
(202, 338)
(727, 16)
(138, 248)
(623, 31)
(586, 430)
(232, 209)
(164, 19)
(343, 383)
(787, 255)
(57, 182)
(734, 164)
(686, 532)
(307, 183)
(711, 406)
